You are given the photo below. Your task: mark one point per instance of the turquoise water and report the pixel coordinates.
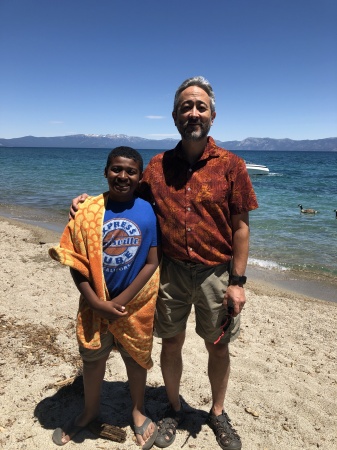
(44, 180)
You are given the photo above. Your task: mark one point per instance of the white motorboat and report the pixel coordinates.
(256, 169)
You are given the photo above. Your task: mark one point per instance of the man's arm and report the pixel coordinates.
(240, 227)
(235, 295)
(74, 205)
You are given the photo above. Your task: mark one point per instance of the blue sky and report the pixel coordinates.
(112, 66)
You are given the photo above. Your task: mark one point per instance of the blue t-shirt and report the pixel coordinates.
(129, 230)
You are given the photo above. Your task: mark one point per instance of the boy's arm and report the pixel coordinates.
(109, 310)
(142, 278)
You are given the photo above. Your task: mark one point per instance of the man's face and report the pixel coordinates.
(193, 117)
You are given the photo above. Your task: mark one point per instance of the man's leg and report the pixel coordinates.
(172, 367)
(172, 311)
(218, 374)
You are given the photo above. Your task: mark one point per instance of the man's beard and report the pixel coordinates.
(191, 134)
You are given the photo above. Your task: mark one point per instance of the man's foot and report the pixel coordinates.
(146, 443)
(226, 435)
(167, 427)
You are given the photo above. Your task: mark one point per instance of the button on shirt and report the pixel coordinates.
(194, 204)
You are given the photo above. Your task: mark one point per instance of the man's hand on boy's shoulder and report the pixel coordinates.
(74, 205)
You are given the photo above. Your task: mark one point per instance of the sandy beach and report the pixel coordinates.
(283, 386)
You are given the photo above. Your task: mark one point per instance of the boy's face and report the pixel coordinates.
(123, 175)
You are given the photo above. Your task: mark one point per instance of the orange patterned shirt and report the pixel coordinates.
(194, 204)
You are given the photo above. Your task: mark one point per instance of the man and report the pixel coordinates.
(202, 196)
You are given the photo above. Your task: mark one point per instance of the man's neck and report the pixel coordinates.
(193, 149)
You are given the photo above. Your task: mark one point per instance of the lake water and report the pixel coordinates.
(42, 181)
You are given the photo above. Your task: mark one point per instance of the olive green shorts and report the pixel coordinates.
(183, 284)
(108, 344)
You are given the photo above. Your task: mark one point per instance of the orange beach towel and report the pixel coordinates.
(81, 248)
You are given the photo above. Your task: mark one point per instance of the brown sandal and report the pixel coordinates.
(226, 435)
(167, 427)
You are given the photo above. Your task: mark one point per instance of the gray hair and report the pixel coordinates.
(195, 81)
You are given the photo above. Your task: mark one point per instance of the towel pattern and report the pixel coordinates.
(81, 249)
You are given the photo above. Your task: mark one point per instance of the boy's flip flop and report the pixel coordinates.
(141, 430)
(69, 429)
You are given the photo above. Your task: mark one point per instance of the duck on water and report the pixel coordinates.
(307, 211)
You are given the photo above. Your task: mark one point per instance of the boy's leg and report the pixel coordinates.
(94, 363)
(93, 375)
(137, 381)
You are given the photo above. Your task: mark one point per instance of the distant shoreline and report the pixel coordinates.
(113, 140)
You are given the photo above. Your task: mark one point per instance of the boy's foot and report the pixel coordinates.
(226, 435)
(63, 435)
(146, 443)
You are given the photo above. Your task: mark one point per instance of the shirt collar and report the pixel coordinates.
(211, 150)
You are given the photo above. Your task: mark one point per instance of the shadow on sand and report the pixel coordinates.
(67, 402)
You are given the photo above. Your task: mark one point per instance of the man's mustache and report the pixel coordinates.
(192, 122)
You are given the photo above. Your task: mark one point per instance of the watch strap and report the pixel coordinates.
(237, 280)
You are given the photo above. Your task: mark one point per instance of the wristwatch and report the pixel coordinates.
(237, 280)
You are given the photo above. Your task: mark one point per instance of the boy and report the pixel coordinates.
(112, 250)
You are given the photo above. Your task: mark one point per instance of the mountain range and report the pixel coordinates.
(115, 140)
